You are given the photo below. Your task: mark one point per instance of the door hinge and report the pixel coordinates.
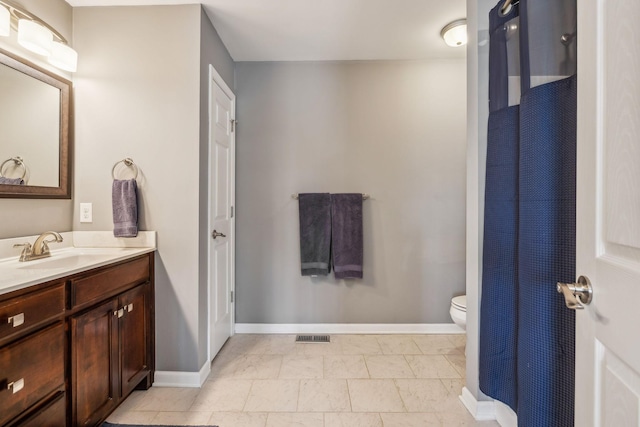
(231, 211)
(233, 125)
(231, 296)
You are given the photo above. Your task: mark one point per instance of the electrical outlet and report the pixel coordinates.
(86, 212)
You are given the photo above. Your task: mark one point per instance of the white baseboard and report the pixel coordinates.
(489, 410)
(348, 328)
(481, 410)
(505, 415)
(182, 379)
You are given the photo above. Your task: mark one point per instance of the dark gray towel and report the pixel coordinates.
(346, 235)
(11, 181)
(124, 198)
(315, 233)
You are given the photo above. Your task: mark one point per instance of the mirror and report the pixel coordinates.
(34, 131)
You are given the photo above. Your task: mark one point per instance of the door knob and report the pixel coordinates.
(215, 234)
(576, 295)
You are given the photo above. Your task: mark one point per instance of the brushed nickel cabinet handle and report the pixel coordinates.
(16, 320)
(16, 386)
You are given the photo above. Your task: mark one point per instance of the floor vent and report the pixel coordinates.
(313, 338)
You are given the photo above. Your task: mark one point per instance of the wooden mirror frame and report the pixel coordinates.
(63, 190)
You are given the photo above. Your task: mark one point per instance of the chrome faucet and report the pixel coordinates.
(40, 247)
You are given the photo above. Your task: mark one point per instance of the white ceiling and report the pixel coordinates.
(320, 30)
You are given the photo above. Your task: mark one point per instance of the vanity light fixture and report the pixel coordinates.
(34, 37)
(63, 57)
(454, 33)
(5, 21)
(39, 37)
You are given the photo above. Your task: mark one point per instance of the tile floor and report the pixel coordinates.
(353, 381)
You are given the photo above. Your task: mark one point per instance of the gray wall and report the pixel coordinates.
(396, 130)
(138, 92)
(21, 217)
(212, 51)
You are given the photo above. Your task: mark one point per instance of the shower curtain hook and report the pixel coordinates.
(567, 38)
(507, 6)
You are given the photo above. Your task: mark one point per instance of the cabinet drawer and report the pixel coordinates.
(21, 313)
(53, 414)
(109, 282)
(30, 370)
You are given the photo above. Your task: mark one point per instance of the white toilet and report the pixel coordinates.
(458, 311)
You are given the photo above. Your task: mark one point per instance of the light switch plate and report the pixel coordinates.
(86, 212)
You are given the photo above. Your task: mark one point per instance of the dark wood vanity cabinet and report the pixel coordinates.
(111, 338)
(110, 354)
(78, 362)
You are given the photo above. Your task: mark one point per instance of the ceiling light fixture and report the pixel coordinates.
(37, 36)
(454, 33)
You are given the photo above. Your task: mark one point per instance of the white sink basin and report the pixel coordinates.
(68, 261)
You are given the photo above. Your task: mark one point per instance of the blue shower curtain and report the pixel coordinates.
(526, 334)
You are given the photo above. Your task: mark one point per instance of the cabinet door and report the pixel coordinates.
(94, 359)
(134, 337)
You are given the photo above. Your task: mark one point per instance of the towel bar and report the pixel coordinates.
(365, 196)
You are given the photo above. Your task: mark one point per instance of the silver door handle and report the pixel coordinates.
(576, 295)
(215, 234)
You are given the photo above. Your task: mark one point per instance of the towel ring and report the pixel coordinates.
(18, 161)
(127, 162)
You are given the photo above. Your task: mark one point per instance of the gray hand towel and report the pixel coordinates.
(346, 235)
(11, 181)
(315, 233)
(124, 198)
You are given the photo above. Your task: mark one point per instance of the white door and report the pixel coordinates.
(221, 202)
(608, 213)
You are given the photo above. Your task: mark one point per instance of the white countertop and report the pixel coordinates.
(80, 251)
